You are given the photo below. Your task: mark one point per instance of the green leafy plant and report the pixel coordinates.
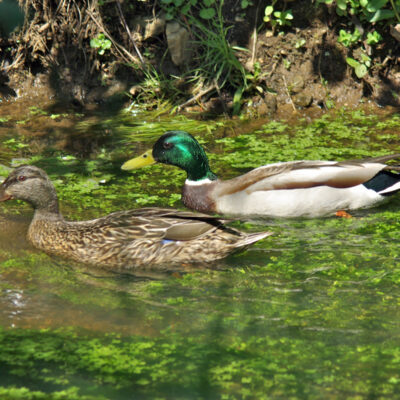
(275, 17)
(287, 63)
(300, 43)
(245, 3)
(360, 67)
(174, 8)
(348, 39)
(14, 144)
(268, 13)
(219, 65)
(101, 43)
(207, 12)
(283, 18)
(215, 61)
(367, 10)
(37, 111)
(373, 38)
(253, 78)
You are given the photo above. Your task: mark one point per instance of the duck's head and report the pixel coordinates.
(177, 148)
(31, 184)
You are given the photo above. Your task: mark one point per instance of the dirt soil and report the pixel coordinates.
(304, 68)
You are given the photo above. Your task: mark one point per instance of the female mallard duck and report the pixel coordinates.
(125, 238)
(286, 189)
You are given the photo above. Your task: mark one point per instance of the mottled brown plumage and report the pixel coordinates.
(128, 239)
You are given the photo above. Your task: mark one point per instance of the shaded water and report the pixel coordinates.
(309, 313)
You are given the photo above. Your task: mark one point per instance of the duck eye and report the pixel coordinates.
(167, 145)
(21, 178)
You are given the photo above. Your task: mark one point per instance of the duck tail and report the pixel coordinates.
(391, 189)
(252, 238)
(384, 183)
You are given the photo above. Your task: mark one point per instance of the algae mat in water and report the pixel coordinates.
(310, 313)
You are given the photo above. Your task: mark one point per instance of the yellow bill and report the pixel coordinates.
(140, 161)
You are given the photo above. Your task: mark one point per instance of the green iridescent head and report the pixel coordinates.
(181, 149)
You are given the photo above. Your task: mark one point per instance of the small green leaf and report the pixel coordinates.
(269, 10)
(382, 15)
(94, 43)
(237, 97)
(365, 58)
(373, 38)
(185, 9)
(375, 5)
(360, 70)
(207, 13)
(352, 62)
(300, 43)
(208, 3)
(341, 4)
(288, 14)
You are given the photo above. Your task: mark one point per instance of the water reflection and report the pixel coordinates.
(312, 312)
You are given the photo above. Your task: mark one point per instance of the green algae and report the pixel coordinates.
(311, 312)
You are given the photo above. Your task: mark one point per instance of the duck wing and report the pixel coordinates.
(301, 175)
(159, 223)
(379, 159)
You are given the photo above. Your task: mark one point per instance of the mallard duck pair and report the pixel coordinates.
(127, 239)
(286, 189)
(137, 238)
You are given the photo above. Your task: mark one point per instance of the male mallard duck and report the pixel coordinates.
(285, 189)
(124, 238)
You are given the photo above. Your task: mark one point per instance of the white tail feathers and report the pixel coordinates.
(390, 189)
(252, 238)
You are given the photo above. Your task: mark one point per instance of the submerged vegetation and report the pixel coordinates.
(340, 135)
(310, 313)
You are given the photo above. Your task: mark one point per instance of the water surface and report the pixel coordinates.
(309, 313)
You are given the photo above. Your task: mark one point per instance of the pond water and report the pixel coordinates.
(312, 312)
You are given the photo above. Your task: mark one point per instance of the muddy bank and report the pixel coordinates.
(300, 67)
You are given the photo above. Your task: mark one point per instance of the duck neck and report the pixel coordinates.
(46, 205)
(198, 169)
(48, 213)
(201, 175)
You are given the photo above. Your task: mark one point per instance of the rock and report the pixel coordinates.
(302, 100)
(115, 87)
(249, 65)
(296, 84)
(395, 32)
(262, 109)
(177, 38)
(270, 102)
(154, 27)
(135, 90)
